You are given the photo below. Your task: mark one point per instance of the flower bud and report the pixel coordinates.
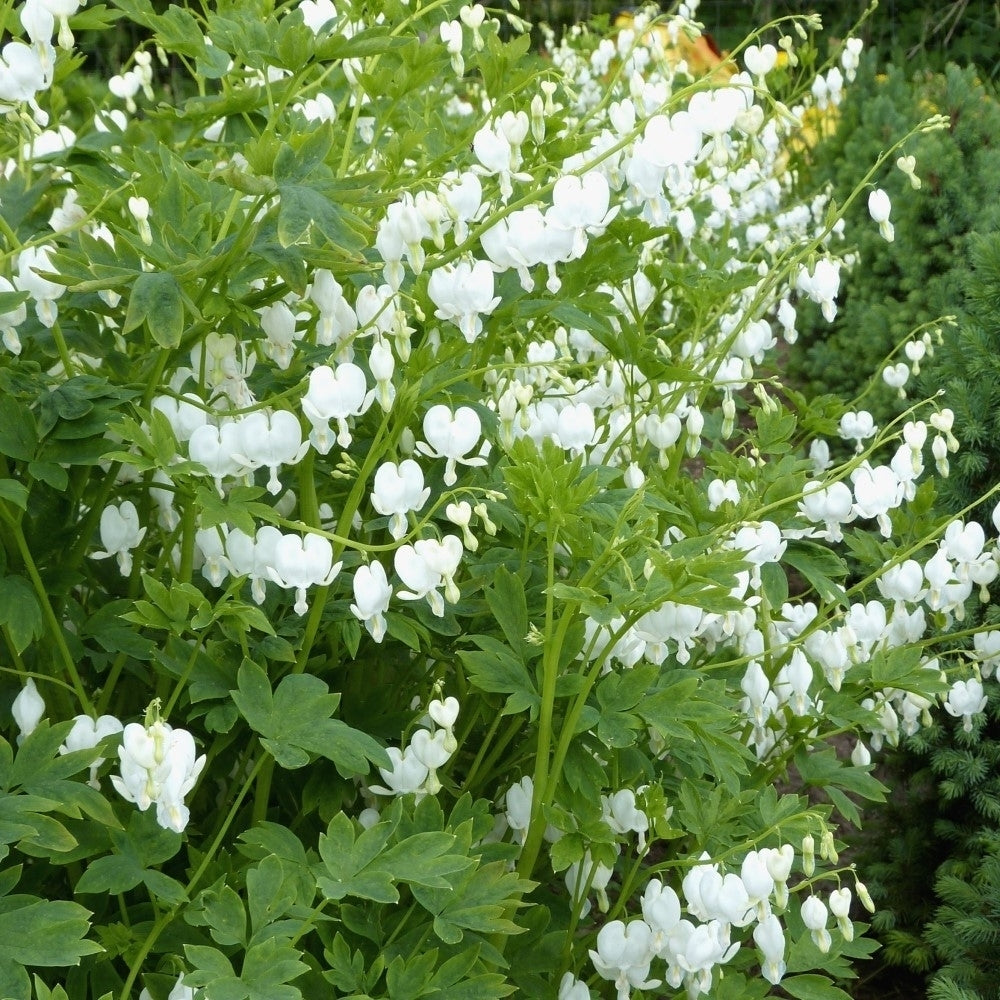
(840, 907)
(866, 900)
(827, 850)
(808, 854)
(28, 709)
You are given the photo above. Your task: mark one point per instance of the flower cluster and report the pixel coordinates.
(332, 427)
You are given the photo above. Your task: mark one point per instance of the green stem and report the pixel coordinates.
(188, 529)
(109, 685)
(550, 673)
(514, 727)
(10, 234)
(63, 350)
(89, 523)
(481, 752)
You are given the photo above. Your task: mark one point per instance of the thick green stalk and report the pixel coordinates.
(554, 636)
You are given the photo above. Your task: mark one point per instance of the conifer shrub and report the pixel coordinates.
(911, 282)
(967, 368)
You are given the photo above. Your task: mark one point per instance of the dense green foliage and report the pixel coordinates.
(900, 286)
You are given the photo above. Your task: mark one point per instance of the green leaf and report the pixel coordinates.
(156, 300)
(496, 669)
(9, 301)
(810, 987)
(42, 992)
(367, 868)
(20, 612)
(292, 166)
(903, 668)
(14, 982)
(270, 892)
(409, 979)
(820, 567)
(51, 474)
(295, 722)
(44, 932)
(223, 910)
(507, 601)
(14, 492)
(268, 968)
(18, 434)
(214, 972)
(139, 852)
(774, 583)
(301, 207)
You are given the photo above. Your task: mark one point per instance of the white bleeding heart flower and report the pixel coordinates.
(337, 321)
(444, 713)
(398, 490)
(623, 955)
(814, 916)
(430, 749)
(253, 556)
(216, 449)
(120, 533)
(769, 936)
(879, 208)
(580, 205)
(270, 440)
(27, 710)
(760, 60)
(406, 774)
(210, 544)
(966, 699)
(86, 733)
(462, 294)
(334, 395)
(420, 579)
(444, 558)
(452, 437)
(372, 593)
(300, 563)
(159, 764)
